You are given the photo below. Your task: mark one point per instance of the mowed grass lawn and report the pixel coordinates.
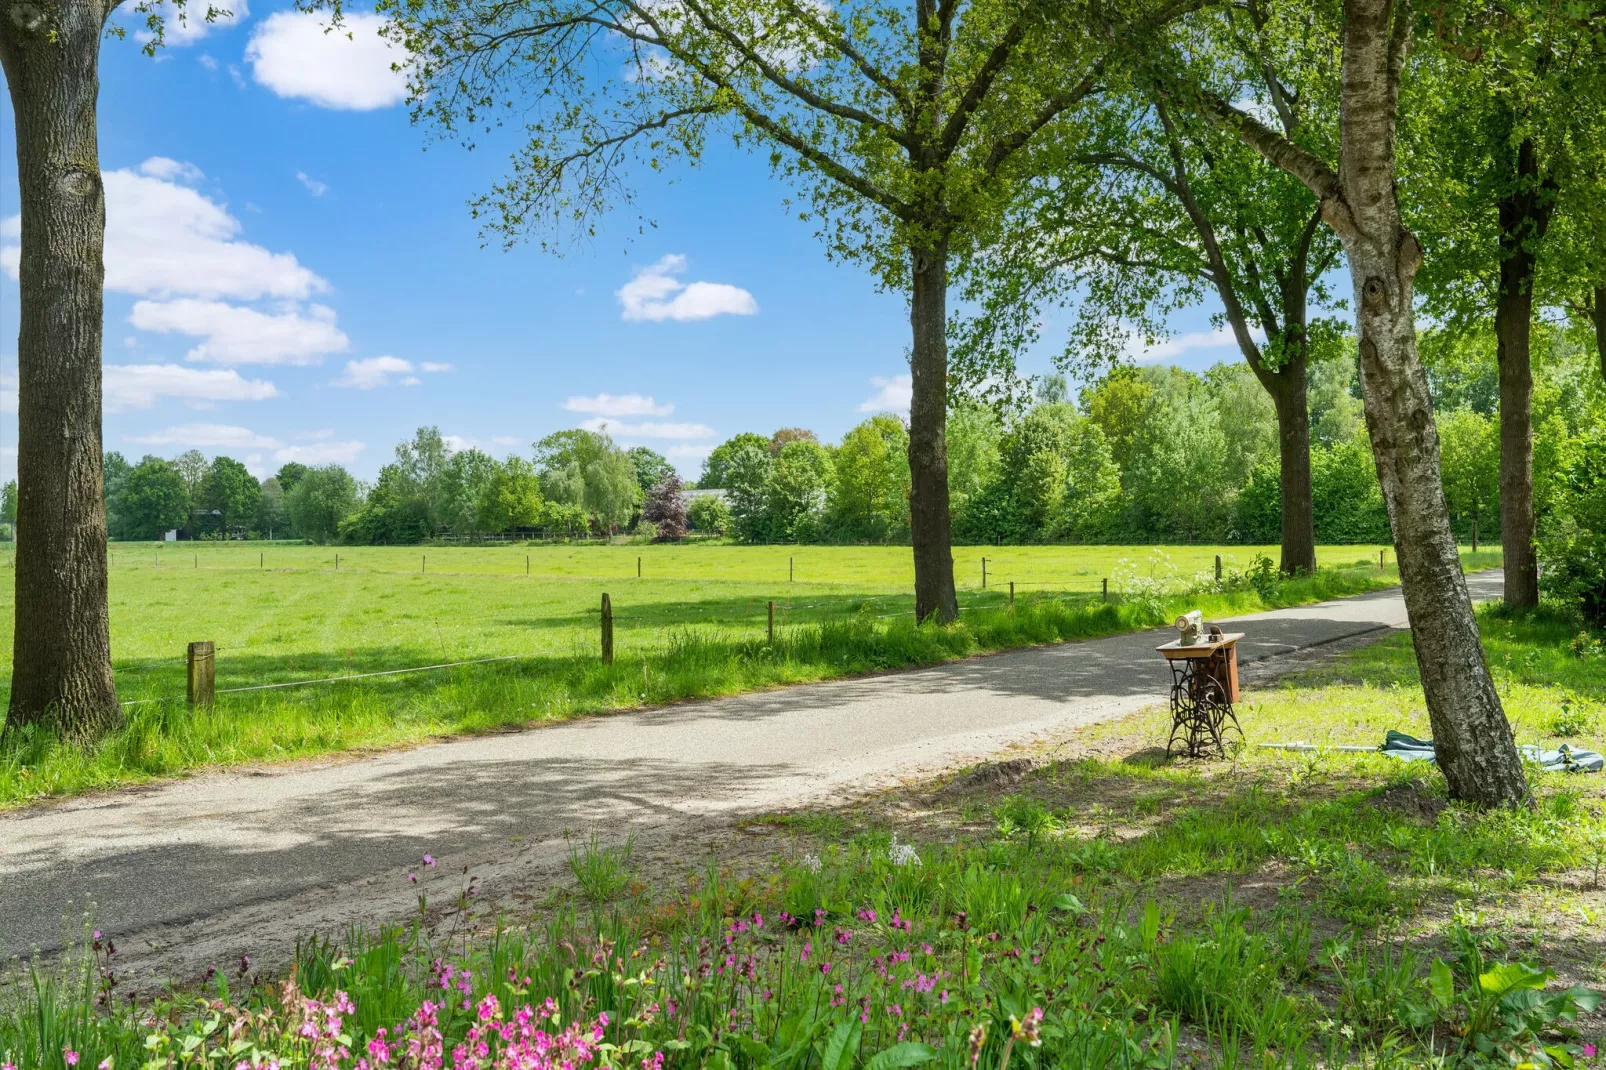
(692, 625)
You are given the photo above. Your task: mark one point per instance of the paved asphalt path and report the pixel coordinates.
(198, 871)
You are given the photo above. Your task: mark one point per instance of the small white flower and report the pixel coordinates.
(812, 863)
(902, 854)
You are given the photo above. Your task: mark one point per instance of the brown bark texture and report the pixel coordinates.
(61, 662)
(1288, 388)
(1472, 738)
(1286, 384)
(929, 522)
(1600, 327)
(1524, 214)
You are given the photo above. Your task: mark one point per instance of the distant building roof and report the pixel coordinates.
(691, 494)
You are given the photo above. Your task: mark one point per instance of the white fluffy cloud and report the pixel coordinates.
(892, 395)
(656, 294)
(208, 436)
(321, 453)
(164, 238)
(313, 186)
(139, 386)
(1181, 344)
(187, 25)
(324, 450)
(373, 372)
(618, 405)
(233, 334)
(348, 67)
(649, 429)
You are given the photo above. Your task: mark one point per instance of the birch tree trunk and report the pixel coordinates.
(1472, 738)
(61, 663)
(929, 522)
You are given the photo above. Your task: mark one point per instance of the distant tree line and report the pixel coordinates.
(1160, 454)
(1142, 455)
(578, 483)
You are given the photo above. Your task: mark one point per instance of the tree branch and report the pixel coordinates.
(887, 84)
(779, 79)
(979, 86)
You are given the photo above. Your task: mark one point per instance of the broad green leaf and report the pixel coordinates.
(1069, 903)
(1585, 999)
(844, 1043)
(899, 1055)
(1441, 983)
(1509, 976)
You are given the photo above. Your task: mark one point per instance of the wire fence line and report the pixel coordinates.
(210, 652)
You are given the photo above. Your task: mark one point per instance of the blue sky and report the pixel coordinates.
(292, 276)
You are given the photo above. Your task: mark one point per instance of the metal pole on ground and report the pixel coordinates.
(607, 630)
(201, 676)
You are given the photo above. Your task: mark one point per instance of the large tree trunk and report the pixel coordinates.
(61, 664)
(929, 522)
(1289, 393)
(1524, 213)
(1599, 312)
(1472, 738)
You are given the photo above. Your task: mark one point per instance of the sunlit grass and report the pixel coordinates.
(676, 639)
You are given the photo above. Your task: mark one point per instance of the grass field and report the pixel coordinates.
(692, 625)
(1107, 909)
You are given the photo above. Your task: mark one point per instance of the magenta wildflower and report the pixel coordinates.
(69, 1056)
(429, 860)
(1589, 1051)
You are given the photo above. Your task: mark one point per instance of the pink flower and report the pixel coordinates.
(412, 878)
(69, 1056)
(1589, 1051)
(429, 860)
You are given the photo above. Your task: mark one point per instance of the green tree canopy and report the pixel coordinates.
(233, 492)
(716, 468)
(322, 498)
(154, 499)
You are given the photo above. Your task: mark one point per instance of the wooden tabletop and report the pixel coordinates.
(1202, 649)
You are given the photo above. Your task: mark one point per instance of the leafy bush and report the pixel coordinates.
(1572, 540)
(709, 514)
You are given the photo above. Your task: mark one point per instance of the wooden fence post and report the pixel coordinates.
(607, 630)
(526, 564)
(262, 560)
(201, 683)
(772, 622)
(197, 560)
(791, 571)
(638, 566)
(1380, 565)
(423, 562)
(337, 562)
(1218, 568)
(1105, 597)
(984, 573)
(1011, 594)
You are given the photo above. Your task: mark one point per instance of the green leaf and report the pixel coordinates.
(908, 1053)
(844, 1042)
(1510, 976)
(1149, 931)
(1585, 999)
(755, 1050)
(1441, 984)
(1070, 904)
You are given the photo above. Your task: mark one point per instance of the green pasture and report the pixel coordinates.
(693, 625)
(285, 611)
